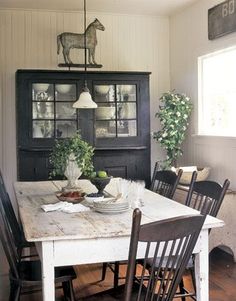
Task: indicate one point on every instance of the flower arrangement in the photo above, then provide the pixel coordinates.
(76, 146)
(174, 113)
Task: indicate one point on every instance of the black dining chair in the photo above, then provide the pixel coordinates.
(172, 239)
(200, 192)
(204, 196)
(164, 182)
(17, 232)
(25, 275)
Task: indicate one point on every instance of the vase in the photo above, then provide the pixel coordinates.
(72, 173)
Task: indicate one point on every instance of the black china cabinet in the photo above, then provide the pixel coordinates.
(119, 129)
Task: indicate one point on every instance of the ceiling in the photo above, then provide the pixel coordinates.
(137, 7)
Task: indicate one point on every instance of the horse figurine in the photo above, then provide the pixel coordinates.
(70, 40)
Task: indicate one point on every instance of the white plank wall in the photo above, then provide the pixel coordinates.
(188, 39)
(28, 40)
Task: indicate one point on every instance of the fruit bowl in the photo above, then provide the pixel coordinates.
(71, 196)
(100, 183)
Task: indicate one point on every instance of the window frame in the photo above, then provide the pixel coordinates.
(201, 112)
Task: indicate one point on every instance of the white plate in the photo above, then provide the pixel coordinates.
(101, 210)
(90, 200)
(112, 206)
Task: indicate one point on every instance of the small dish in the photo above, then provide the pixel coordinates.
(40, 87)
(102, 89)
(63, 88)
(92, 199)
(72, 196)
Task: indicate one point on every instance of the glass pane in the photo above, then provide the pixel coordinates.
(65, 92)
(65, 128)
(43, 110)
(43, 129)
(42, 91)
(105, 129)
(122, 128)
(126, 93)
(126, 110)
(132, 126)
(105, 112)
(65, 111)
(104, 93)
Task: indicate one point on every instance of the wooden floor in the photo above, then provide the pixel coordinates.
(222, 280)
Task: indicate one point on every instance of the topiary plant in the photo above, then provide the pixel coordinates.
(174, 113)
(63, 148)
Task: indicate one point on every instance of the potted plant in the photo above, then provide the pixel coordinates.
(72, 157)
(174, 112)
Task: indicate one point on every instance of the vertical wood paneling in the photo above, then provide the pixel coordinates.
(188, 41)
(2, 83)
(28, 40)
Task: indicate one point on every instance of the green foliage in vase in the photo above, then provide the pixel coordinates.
(174, 112)
(63, 148)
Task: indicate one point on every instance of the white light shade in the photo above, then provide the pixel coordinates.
(85, 101)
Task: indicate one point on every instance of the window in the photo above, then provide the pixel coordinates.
(217, 93)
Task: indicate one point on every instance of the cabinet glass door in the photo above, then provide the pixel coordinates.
(116, 115)
(52, 113)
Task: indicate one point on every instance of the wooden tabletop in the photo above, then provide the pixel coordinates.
(41, 226)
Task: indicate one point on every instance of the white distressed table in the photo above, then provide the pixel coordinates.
(81, 238)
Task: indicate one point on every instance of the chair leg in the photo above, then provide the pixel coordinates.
(68, 291)
(72, 294)
(193, 279)
(181, 289)
(116, 274)
(104, 270)
(14, 292)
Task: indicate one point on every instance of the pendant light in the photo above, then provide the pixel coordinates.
(85, 99)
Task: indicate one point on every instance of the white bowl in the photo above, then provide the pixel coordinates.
(90, 200)
(126, 89)
(63, 89)
(102, 89)
(40, 87)
(105, 112)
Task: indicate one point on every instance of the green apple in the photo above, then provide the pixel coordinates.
(102, 174)
(93, 174)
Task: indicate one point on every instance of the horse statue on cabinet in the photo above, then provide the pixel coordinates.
(70, 40)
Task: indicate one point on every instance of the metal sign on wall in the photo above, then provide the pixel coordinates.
(222, 19)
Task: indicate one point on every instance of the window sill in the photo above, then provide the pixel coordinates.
(219, 141)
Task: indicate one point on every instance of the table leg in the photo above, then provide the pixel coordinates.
(48, 273)
(202, 268)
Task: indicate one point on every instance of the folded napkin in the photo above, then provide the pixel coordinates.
(65, 207)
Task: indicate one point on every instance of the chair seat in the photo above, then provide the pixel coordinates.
(31, 271)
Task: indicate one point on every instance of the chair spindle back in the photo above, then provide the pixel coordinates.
(165, 182)
(171, 242)
(201, 191)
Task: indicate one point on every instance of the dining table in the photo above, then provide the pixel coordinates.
(86, 237)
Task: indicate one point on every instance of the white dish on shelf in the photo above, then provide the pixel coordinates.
(126, 89)
(105, 112)
(63, 88)
(40, 87)
(102, 89)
